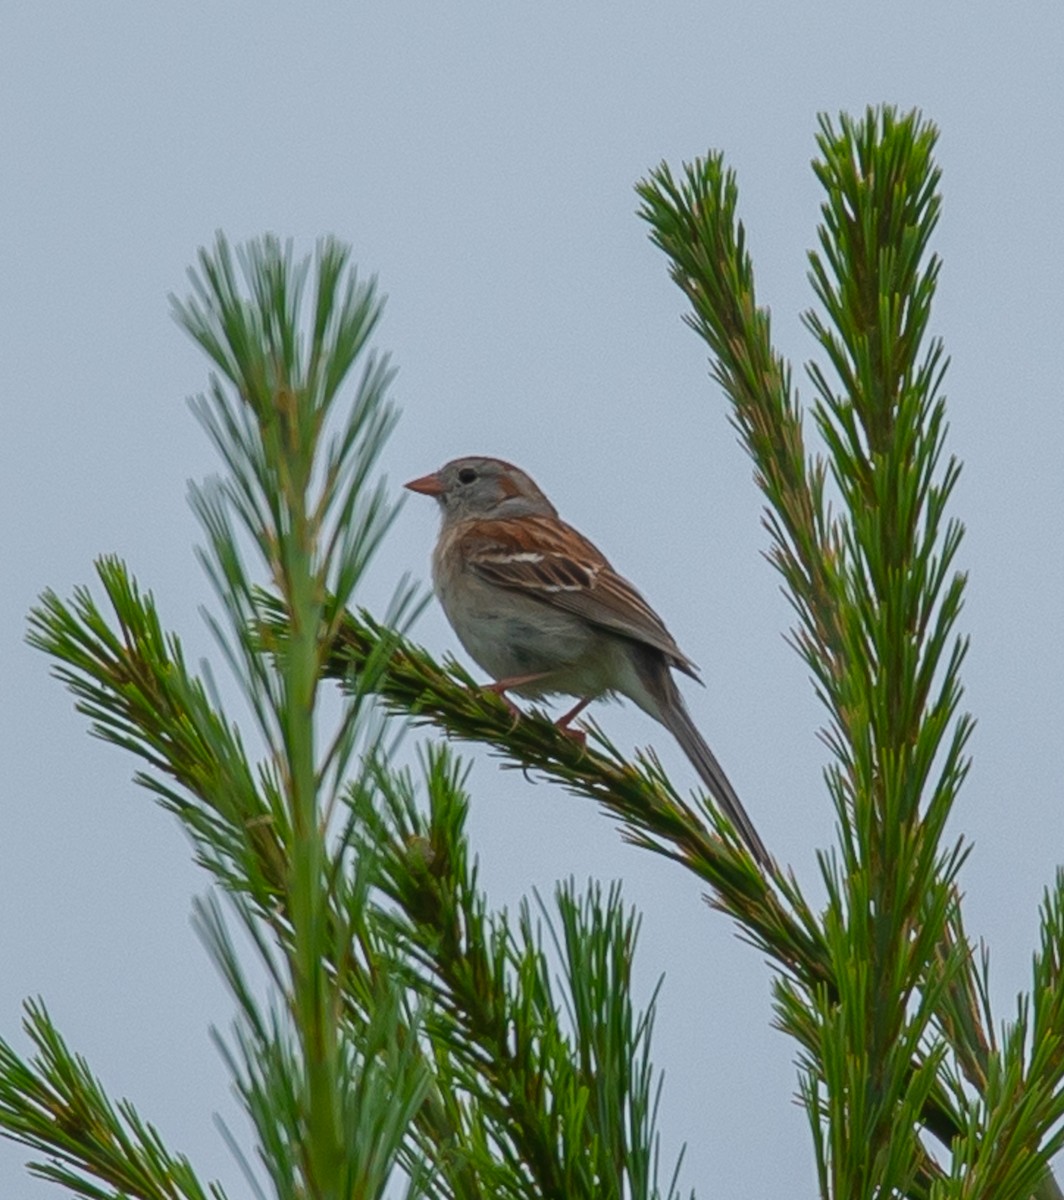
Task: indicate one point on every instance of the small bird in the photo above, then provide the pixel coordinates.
(539, 608)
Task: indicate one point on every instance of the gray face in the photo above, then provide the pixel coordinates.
(475, 487)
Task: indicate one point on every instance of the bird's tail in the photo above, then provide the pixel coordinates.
(677, 720)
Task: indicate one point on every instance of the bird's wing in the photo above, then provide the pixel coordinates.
(546, 558)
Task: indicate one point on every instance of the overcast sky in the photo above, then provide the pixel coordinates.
(480, 159)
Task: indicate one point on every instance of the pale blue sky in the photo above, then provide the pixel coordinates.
(480, 159)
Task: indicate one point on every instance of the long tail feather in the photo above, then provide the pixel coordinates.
(675, 717)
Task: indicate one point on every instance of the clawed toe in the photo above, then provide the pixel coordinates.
(577, 735)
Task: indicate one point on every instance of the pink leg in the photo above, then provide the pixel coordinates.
(501, 686)
(562, 723)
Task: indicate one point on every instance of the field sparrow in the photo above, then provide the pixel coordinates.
(539, 608)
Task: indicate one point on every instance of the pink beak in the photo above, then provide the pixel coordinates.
(427, 485)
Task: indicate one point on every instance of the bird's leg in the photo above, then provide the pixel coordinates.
(562, 723)
(501, 686)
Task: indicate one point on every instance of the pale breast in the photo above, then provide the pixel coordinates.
(510, 635)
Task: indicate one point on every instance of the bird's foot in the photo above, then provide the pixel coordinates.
(564, 722)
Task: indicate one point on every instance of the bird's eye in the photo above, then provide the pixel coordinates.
(466, 475)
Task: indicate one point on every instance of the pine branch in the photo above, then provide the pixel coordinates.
(332, 1100)
(876, 599)
(329, 1122)
(133, 683)
(56, 1106)
(694, 221)
(130, 679)
(568, 1114)
(1018, 1124)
